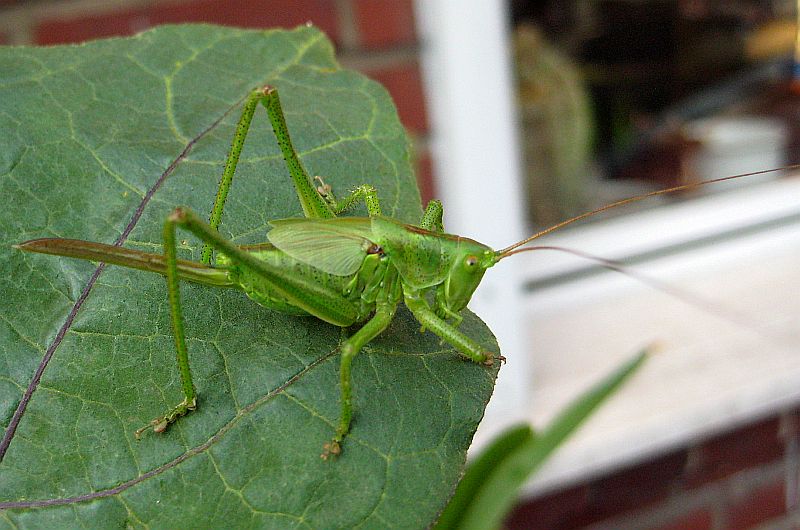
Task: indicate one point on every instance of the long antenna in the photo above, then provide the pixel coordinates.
(507, 251)
(720, 311)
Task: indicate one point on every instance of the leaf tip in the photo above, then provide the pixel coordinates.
(653, 348)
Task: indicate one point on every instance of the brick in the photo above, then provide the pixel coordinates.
(790, 424)
(747, 447)
(382, 24)
(698, 520)
(425, 177)
(3, 38)
(618, 494)
(404, 83)
(634, 488)
(550, 512)
(758, 507)
(242, 13)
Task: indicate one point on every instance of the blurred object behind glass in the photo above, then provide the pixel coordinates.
(680, 90)
(556, 123)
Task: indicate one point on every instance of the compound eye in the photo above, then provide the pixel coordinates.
(471, 261)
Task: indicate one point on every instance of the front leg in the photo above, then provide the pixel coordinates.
(429, 320)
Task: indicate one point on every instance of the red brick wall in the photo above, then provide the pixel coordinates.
(733, 481)
(375, 36)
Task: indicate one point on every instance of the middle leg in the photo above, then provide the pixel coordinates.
(383, 316)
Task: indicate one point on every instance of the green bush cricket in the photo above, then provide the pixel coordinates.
(343, 270)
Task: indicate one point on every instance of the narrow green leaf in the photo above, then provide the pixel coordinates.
(494, 479)
(100, 142)
(475, 475)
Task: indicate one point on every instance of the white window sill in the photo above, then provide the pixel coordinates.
(710, 373)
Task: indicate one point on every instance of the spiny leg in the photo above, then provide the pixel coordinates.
(189, 221)
(385, 309)
(189, 402)
(432, 218)
(230, 167)
(366, 193)
(370, 330)
(313, 204)
(429, 320)
(311, 201)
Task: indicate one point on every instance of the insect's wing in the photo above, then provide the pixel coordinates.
(336, 246)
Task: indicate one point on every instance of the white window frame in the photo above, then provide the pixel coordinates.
(476, 157)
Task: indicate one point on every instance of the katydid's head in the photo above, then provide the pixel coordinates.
(467, 266)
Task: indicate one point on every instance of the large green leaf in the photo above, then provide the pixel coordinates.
(97, 134)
